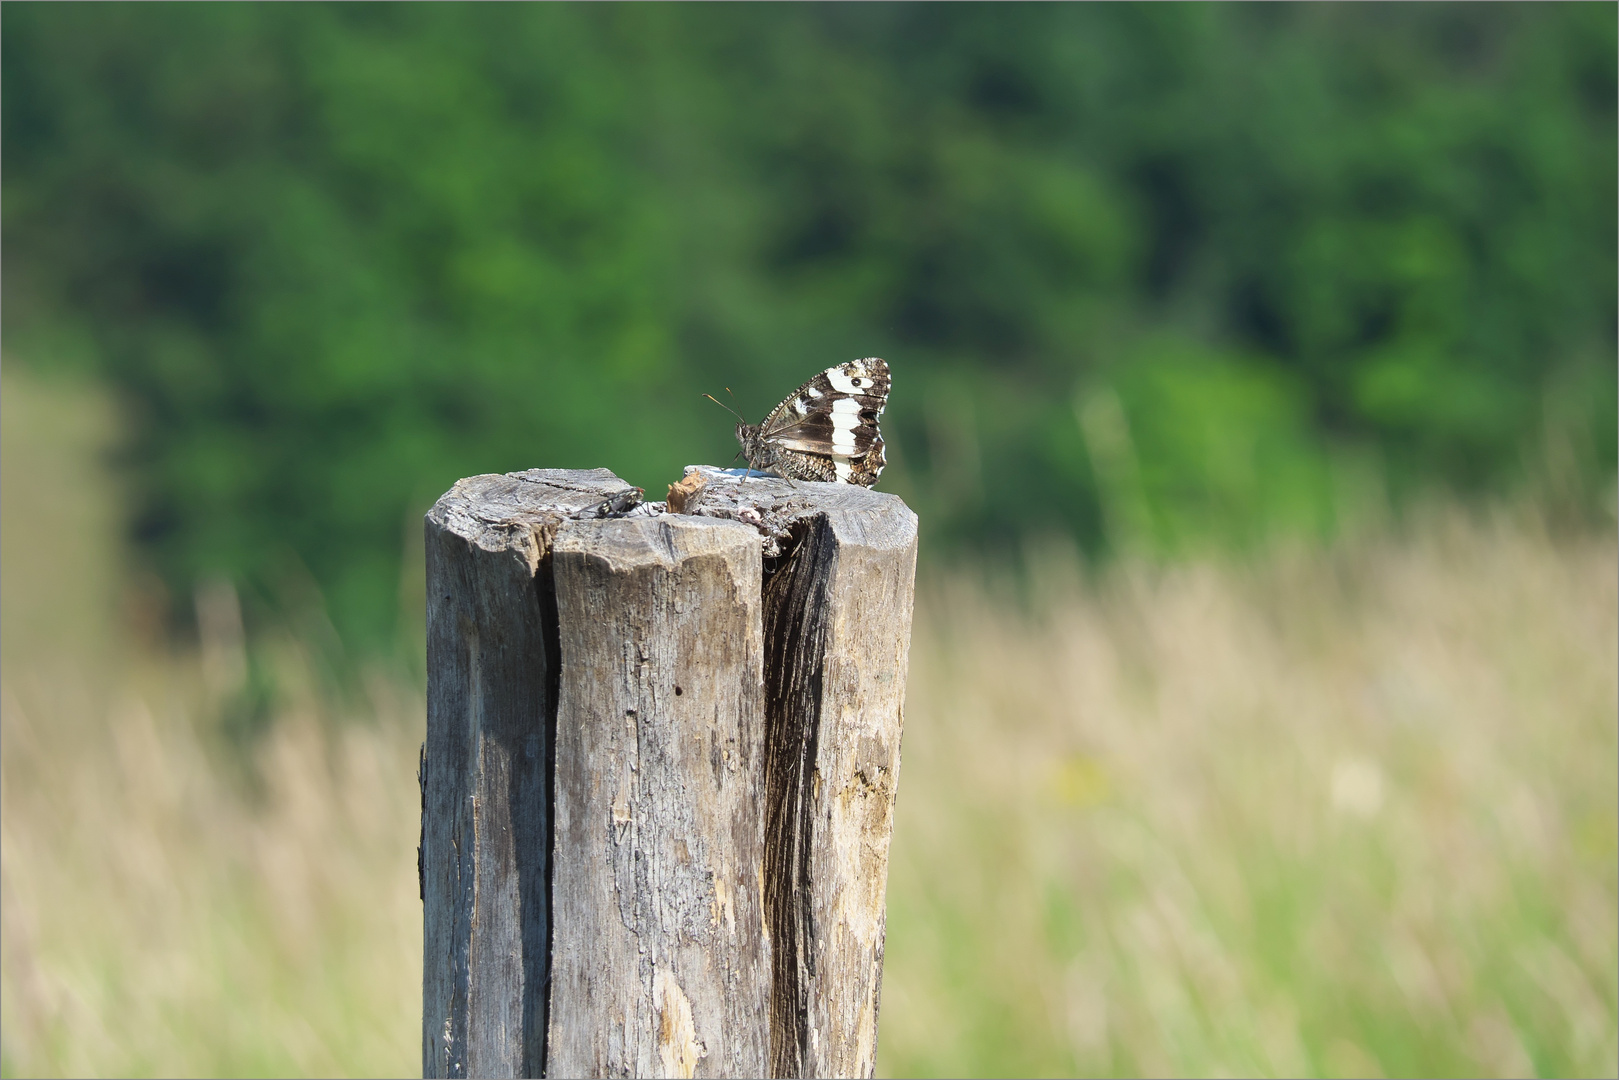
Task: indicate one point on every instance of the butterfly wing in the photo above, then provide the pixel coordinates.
(828, 428)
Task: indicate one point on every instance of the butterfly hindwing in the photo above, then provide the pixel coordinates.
(828, 428)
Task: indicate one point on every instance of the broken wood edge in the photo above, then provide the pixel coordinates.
(811, 525)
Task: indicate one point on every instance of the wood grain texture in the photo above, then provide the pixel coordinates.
(486, 766)
(841, 569)
(659, 778)
(660, 965)
(837, 638)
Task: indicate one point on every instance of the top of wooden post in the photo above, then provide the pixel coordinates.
(494, 510)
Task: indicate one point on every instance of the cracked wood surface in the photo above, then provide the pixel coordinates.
(705, 710)
(837, 638)
(659, 968)
(486, 766)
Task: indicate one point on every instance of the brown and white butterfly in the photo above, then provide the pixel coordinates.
(826, 429)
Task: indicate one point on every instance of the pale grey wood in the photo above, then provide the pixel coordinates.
(837, 638)
(708, 707)
(868, 598)
(486, 766)
(660, 963)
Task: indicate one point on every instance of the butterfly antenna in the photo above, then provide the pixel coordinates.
(724, 406)
(734, 413)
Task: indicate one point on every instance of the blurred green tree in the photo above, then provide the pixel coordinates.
(1157, 275)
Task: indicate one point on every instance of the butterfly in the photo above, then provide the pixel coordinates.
(826, 429)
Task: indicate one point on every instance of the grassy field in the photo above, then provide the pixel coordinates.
(1341, 813)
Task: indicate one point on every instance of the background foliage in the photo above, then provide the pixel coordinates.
(1158, 276)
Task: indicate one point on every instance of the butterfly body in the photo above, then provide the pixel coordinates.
(826, 429)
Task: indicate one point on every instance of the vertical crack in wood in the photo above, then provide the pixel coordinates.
(511, 989)
(538, 926)
(795, 609)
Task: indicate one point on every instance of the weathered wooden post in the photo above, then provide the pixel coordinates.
(659, 777)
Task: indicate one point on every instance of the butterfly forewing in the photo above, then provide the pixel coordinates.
(828, 428)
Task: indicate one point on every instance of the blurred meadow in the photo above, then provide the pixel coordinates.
(1254, 384)
(1340, 812)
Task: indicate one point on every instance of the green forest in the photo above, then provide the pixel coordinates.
(1162, 278)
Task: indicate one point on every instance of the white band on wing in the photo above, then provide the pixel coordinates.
(845, 418)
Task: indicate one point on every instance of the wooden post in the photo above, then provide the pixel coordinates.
(659, 776)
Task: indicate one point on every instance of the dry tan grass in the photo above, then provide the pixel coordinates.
(158, 922)
(1347, 813)
(159, 914)
(1336, 813)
